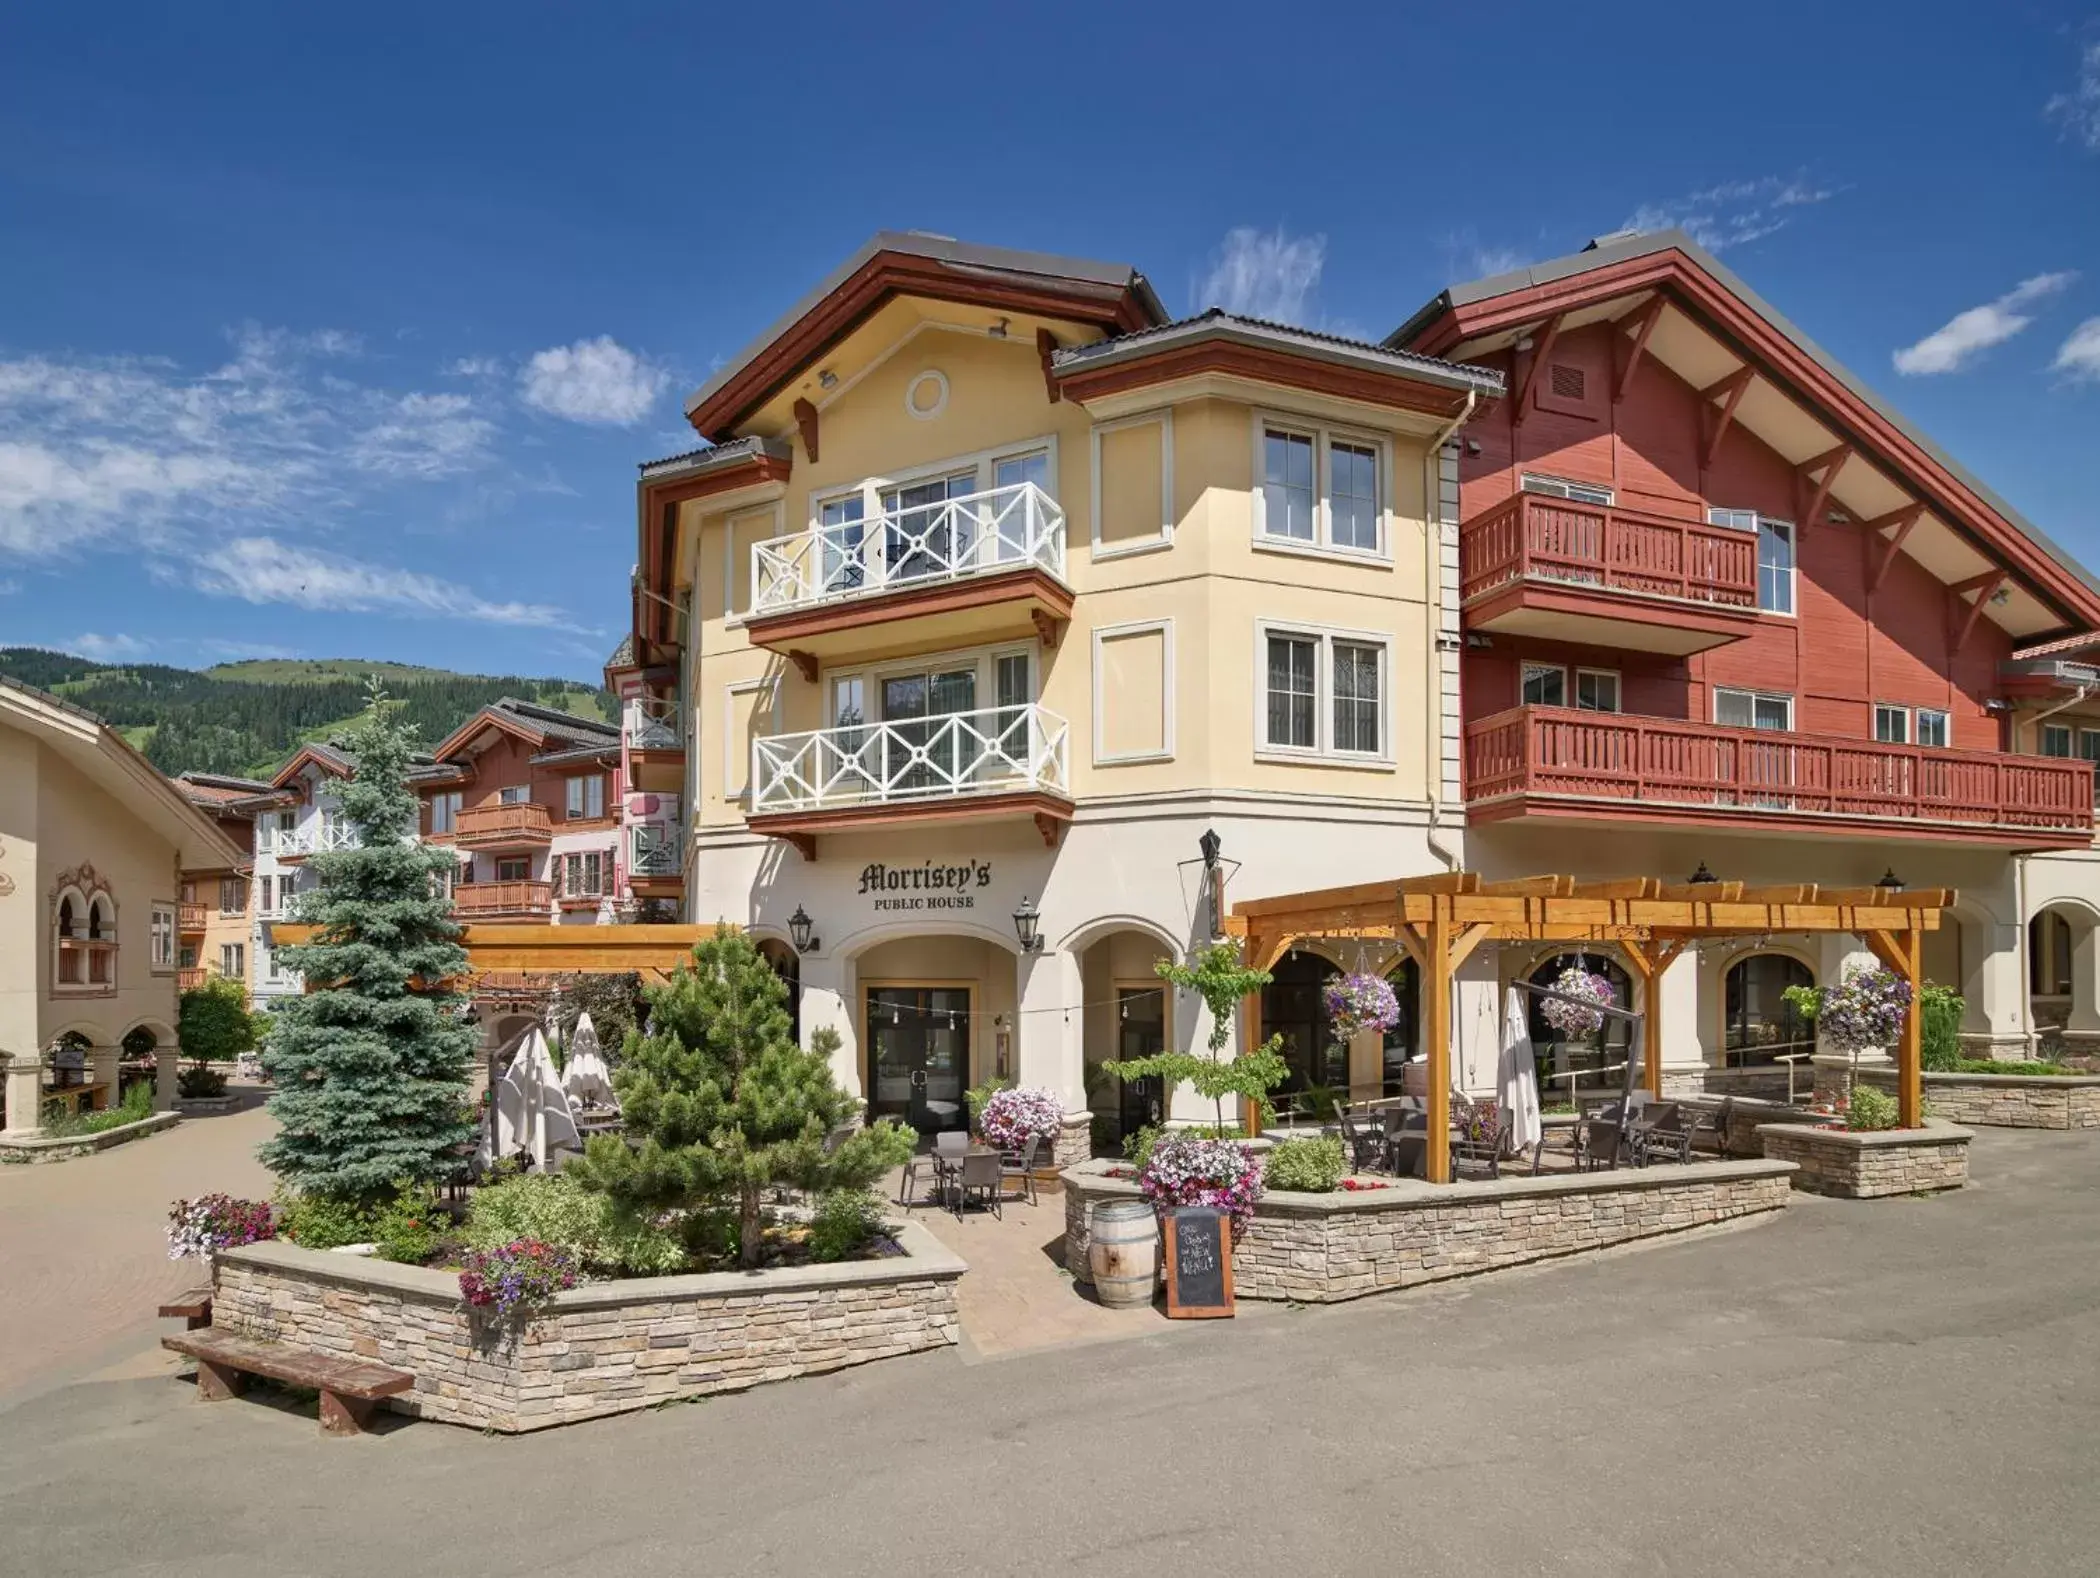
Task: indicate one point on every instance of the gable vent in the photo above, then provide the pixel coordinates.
(1567, 383)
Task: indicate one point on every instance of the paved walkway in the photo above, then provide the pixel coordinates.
(83, 1259)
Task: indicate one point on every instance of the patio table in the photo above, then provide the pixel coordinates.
(948, 1169)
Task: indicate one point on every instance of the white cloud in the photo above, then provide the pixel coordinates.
(1264, 274)
(2078, 111)
(1967, 335)
(2079, 356)
(475, 367)
(1732, 213)
(264, 570)
(598, 381)
(107, 649)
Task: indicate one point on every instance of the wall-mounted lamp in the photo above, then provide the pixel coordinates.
(827, 379)
(1702, 876)
(1028, 925)
(998, 330)
(1890, 881)
(800, 930)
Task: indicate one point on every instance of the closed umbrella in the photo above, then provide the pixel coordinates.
(584, 1074)
(1519, 1081)
(532, 1110)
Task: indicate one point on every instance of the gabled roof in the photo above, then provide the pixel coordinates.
(1726, 308)
(544, 728)
(326, 757)
(716, 457)
(1113, 296)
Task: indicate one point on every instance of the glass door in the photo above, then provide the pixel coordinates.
(918, 1042)
(1013, 541)
(926, 535)
(839, 545)
(1141, 1031)
(915, 704)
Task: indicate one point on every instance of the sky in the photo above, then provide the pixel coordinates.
(339, 332)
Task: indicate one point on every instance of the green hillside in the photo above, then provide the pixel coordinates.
(246, 718)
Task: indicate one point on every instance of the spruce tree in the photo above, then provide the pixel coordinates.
(726, 1104)
(371, 1062)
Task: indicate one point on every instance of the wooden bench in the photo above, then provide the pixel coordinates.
(349, 1388)
(193, 1308)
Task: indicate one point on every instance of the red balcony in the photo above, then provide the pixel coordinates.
(189, 917)
(1561, 571)
(502, 901)
(1599, 766)
(519, 825)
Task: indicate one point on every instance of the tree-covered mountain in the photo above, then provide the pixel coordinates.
(246, 718)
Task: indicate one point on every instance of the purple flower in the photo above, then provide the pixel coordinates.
(1864, 1010)
(1360, 1002)
(1219, 1173)
(199, 1229)
(1571, 1019)
(516, 1278)
(1012, 1118)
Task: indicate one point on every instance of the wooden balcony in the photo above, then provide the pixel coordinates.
(502, 901)
(1611, 767)
(1556, 570)
(522, 826)
(189, 980)
(190, 918)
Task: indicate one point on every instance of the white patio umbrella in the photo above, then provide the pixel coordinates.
(1519, 1076)
(584, 1074)
(532, 1110)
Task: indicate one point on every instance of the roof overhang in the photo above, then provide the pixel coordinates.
(307, 756)
(725, 474)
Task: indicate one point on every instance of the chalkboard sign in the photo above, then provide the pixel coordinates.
(1199, 1263)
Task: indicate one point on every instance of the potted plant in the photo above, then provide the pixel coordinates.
(1011, 1118)
(1222, 1174)
(1575, 1019)
(1862, 1013)
(199, 1229)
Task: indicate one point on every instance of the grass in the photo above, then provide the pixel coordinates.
(294, 671)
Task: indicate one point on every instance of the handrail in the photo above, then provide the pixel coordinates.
(652, 725)
(971, 534)
(992, 750)
(502, 817)
(502, 897)
(1536, 537)
(656, 849)
(320, 839)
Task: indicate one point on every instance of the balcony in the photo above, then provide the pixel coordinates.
(522, 825)
(189, 980)
(317, 838)
(492, 902)
(656, 860)
(1609, 767)
(190, 918)
(979, 567)
(655, 735)
(999, 762)
(1556, 570)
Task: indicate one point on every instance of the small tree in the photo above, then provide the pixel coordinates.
(1218, 977)
(371, 1062)
(213, 1024)
(726, 1105)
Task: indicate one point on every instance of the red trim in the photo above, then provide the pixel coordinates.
(1030, 585)
(1396, 389)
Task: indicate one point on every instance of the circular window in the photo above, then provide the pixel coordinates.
(926, 396)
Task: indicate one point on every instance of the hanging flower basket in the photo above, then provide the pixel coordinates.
(1863, 1011)
(1572, 1019)
(1360, 1001)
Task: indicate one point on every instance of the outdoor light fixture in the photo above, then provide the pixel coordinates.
(799, 928)
(1702, 876)
(1028, 926)
(998, 330)
(1891, 881)
(827, 379)
(1210, 844)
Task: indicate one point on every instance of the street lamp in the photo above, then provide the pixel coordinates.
(799, 928)
(1028, 926)
(1702, 876)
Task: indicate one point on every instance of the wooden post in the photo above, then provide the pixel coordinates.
(1910, 1058)
(1436, 1020)
(1250, 1016)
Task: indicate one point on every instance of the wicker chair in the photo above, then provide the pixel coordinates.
(1476, 1135)
(1018, 1168)
(1666, 1137)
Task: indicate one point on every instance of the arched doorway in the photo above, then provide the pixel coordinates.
(140, 1060)
(1586, 1062)
(2063, 998)
(1292, 1007)
(1759, 1025)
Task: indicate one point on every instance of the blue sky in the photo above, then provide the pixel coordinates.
(340, 332)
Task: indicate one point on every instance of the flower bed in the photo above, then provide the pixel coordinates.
(63, 1147)
(2008, 1101)
(598, 1349)
(1856, 1164)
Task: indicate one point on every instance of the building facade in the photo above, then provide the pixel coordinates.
(217, 917)
(305, 820)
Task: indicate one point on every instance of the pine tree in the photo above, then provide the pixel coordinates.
(372, 1061)
(726, 1104)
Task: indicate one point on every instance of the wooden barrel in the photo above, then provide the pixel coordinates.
(1123, 1253)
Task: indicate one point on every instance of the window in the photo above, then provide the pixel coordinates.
(880, 532)
(1761, 1026)
(444, 812)
(1734, 520)
(583, 875)
(267, 908)
(1749, 709)
(513, 794)
(233, 960)
(1318, 489)
(233, 896)
(2089, 745)
(1935, 728)
(160, 947)
(1891, 724)
(2050, 945)
(1775, 555)
(2056, 740)
(1562, 488)
(446, 879)
(586, 797)
(1545, 685)
(1324, 693)
(514, 869)
(1596, 690)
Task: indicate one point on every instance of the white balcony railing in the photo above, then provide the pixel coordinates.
(997, 750)
(656, 849)
(973, 534)
(651, 725)
(317, 838)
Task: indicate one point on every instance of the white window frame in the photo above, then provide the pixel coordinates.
(2041, 741)
(1755, 697)
(575, 790)
(1527, 668)
(236, 955)
(1618, 691)
(986, 659)
(2080, 746)
(1753, 522)
(982, 461)
(1889, 709)
(1595, 494)
(514, 794)
(160, 937)
(1946, 721)
(1164, 420)
(736, 774)
(1102, 756)
(1322, 751)
(1323, 435)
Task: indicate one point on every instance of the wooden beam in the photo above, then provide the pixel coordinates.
(1628, 357)
(806, 421)
(1532, 887)
(1439, 882)
(1542, 348)
(1045, 349)
(1700, 892)
(1903, 952)
(1830, 463)
(1781, 893)
(1436, 1022)
(1618, 888)
(1729, 391)
(1985, 587)
(1900, 522)
(1048, 627)
(807, 664)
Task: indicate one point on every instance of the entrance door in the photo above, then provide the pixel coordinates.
(918, 1042)
(1141, 1031)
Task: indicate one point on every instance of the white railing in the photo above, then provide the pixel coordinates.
(995, 750)
(974, 534)
(318, 839)
(652, 725)
(656, 849)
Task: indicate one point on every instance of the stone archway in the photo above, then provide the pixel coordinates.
(2063, 977)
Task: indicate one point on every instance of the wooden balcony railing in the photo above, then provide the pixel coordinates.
(190, 917)
(497, 826)
(189, 980)
(1614, 759)
(1535, 537)
(481, 900)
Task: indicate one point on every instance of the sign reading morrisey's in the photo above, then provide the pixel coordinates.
(926, 886)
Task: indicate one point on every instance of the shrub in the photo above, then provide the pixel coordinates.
(846, 1222)
(596, 1229)
(516, 1279)
(1870, 1109)
(136, 1107)
(198, 1229)
(1137, 1148)
(1986, 1065)
(199, 1081)
(1307, 1166)
(977, 1095)
(408, 1228)
(1939, 1028)
(325, 1221)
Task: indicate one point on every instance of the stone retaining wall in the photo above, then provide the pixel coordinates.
(1872, 1164)
(59, 1148)
(606, 1348)
(1325, 1248)
(2008, 1101)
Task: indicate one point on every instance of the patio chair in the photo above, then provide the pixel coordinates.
(1019, 1166)
(1665, 1137)
(1407, 1146)
(1365, 1142)
(1476, 1135)
(926, 1167)
(978, 1177)
(1599, 1140)
(1713, 1122)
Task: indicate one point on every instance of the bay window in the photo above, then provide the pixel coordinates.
(1323, 693)
(1318, 488)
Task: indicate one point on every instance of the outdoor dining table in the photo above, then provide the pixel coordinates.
(947, 1170)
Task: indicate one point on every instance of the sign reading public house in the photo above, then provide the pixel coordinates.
(1199, 1263)
(926, 886)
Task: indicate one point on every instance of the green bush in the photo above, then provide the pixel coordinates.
(1985, 1065)
(136, 1107)
(1870, 1109)
(598, 1231)
(846, 1222)
(977, 1095)
(1939, 1028)
(1308, 1166)
(1137, 1148)
(324, 1221)
(409, 1227)
(199, 1081)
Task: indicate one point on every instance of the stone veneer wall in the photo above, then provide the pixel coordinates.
(1871, 1164)
(1325, 1248)
(602, 1349)
(50, 1148)
(2008, 1101)
(1075, 1141)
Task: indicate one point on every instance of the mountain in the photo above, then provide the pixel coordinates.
(246, 718)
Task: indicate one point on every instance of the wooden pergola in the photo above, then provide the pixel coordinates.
(651, 952)
(1439, 920)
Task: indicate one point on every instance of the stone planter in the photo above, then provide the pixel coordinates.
(1325, 1248)
(55, 1148)
(605, 1348)
(1871, 1164)
(195, 1105)
(2007, 1101)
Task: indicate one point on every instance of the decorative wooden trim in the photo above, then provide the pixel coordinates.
(806, 424)
(1520, 402)
(1829, 463)
(1028, 584)
(1985, 586)
(1395, 389)
(1904, 521)
(806, 664)
(1045, 350)
(1627, 358)
(805, 844)
(1729, 391)
(1051, 828)
(1048, 627)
